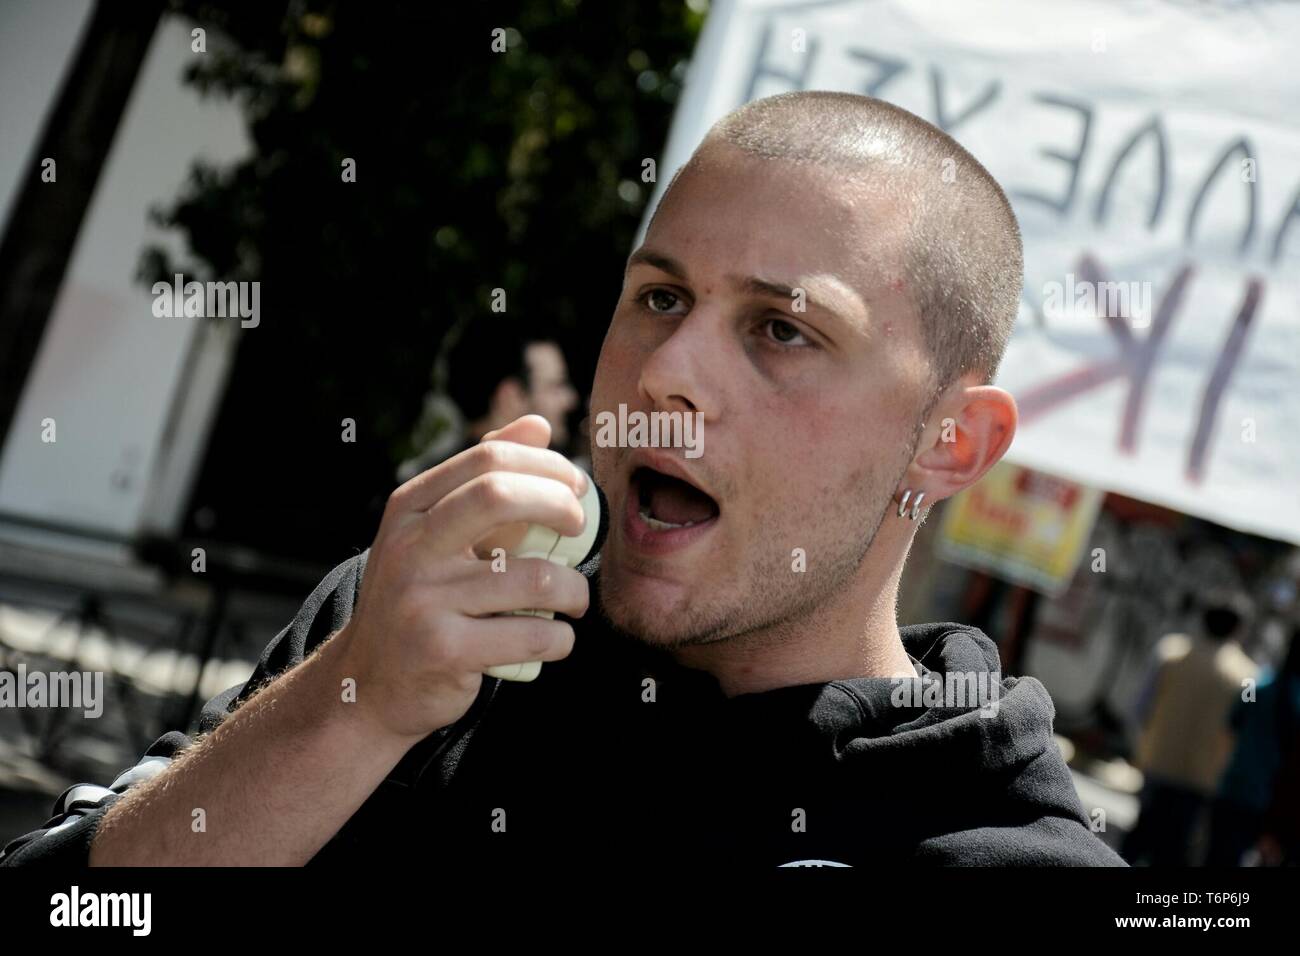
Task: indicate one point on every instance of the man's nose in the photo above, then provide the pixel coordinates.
(676, 375)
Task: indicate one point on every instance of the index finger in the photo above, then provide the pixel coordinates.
(429, 487)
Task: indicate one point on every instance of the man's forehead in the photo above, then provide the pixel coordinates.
(781, 222)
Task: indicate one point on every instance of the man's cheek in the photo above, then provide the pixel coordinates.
(616, 379)
(604, 466)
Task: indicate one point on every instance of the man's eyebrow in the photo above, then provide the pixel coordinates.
(756, 286)
(658, 260)
(834, 306)
(750, 284)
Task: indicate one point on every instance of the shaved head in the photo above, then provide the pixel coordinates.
(827, 287)
(961, 249)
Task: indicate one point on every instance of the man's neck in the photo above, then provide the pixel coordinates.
(854, 635)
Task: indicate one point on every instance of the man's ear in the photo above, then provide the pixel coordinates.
(969, 430)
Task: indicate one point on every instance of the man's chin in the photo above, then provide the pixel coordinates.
(652, 610)
(639, 609)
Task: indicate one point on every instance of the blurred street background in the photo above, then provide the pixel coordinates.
(173, 486)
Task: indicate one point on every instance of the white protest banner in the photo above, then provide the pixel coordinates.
(1152, 153)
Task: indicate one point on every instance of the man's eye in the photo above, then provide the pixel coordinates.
(659, 300)
(785, 333)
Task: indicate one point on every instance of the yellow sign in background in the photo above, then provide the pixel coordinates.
(1022, 525)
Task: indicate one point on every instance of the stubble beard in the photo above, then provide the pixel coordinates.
(766, 601)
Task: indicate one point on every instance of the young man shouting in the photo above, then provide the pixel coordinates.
(827, 286)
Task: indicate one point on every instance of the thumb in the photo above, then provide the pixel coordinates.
(526, 430)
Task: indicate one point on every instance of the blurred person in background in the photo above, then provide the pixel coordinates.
(1185, 740)
(1259, 792)
(494, 375)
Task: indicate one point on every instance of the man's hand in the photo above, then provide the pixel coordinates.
(423, 630)
(420, 636)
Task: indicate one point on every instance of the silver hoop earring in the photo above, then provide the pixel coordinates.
(902, 505)
(916, 505)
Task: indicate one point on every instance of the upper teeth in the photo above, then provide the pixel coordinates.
(660, 525)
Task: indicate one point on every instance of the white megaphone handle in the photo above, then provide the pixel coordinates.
(543, 542)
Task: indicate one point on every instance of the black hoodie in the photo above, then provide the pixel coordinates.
(618, 755)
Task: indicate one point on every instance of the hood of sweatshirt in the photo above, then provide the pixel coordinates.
(958, 766)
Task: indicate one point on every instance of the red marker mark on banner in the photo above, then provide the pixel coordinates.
(1136, 361)
(1220, 377)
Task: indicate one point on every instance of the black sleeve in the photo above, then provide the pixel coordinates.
(64, 840)
(326, 610)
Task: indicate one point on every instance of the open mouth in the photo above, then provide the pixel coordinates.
(667, 503)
